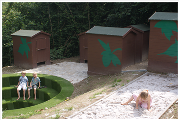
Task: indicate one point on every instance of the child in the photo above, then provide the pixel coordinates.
(23, 81)
(144, 100)
(33, 84)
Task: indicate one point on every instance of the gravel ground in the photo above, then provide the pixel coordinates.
(71, 71)
(162, 88)
(78, 72)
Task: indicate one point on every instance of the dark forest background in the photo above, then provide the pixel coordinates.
(65, 20)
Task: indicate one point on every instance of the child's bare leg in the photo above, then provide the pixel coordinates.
(24, 94)
(126, 103)
(18, 94)
(28, 94)
(35, 93)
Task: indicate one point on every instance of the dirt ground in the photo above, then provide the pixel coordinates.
(89, 91)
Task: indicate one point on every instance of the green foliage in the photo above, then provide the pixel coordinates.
(119, 80)
(116, 82)
(122, 84)
(64, 21)
(94, 95)
(57, 116)
(23, 117)
(69, 108)
(57, 53)
(129, 13)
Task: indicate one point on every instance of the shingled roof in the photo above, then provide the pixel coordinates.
(28, 33)
(164, 16)
(114, 31)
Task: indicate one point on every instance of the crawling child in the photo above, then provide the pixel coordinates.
(144, 100)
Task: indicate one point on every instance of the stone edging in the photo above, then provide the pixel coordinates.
(160, 114)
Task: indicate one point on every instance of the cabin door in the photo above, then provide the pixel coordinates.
(41, 45)
(85, 42)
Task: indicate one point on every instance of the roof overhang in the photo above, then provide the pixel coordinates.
(29, 33)
(135, 28)
(131, 30)
(171, 16)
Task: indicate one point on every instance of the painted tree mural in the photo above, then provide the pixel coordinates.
(172, 50)
(24, 47)
(167, 27)
(108, 56)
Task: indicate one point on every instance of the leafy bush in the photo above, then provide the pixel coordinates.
(119, 80)
(57, 53)
(115, 83)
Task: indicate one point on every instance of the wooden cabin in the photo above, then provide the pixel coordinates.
(83, 47)
(110, 49)
(163, 42)
(142, 41)
(31, 47)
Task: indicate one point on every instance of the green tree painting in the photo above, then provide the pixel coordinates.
(24, 47)
(108, 56)
(167, 27)
(172, 50)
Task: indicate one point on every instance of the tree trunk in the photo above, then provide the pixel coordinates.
(88, 15)
(50, 24)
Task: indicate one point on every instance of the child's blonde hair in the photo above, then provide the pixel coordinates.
(144, 94)
(23, 72)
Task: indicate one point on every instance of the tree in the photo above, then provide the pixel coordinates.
(125, 14)
(11, 22)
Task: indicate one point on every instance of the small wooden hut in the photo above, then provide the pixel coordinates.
(31, 47)
(163, 42)
(83, 47)
(110, 49)
(142, 41)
